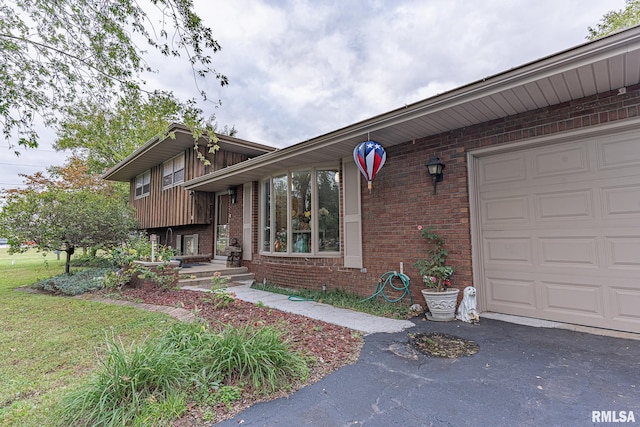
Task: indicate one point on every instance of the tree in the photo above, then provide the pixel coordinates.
(72, 209)
(103, 136)
(614, 21)
(57, 54)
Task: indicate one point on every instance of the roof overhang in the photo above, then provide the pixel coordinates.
(600, 66)
(179, 138)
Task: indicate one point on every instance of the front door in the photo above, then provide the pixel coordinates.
(221, 227)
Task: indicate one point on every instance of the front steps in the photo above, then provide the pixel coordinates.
(199, 275)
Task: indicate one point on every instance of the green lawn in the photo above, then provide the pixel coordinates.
(49, 344)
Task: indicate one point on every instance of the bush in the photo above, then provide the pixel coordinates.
(138, 248)
(148, 384)
(74, 284)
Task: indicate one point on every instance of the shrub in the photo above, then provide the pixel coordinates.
(138, 248)
(128, 384)
(74, 284)
(147, 384)
(259, 356)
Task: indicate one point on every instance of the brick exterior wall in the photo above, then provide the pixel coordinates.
(402, 198)
(204, 232)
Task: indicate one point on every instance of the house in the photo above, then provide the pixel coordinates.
(180, 218)
(539, 203)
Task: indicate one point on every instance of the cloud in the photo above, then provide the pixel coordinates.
(299, 69)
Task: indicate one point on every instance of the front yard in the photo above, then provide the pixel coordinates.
(51, 345)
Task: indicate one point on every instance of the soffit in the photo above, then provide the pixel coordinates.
(157, 151)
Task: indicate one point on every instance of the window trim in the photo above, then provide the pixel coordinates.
(314, 218)
(173, 171)
(135, 185)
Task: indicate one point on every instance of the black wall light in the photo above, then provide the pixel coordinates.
(435, 168)
(231, 191)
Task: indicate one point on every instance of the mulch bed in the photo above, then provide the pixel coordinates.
(331, 346)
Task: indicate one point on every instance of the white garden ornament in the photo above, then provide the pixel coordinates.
(468, 309)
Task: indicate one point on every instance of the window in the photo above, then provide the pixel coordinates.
(302, 208)
(143, 184)
(173, 171)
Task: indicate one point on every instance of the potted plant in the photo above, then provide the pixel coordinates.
(440, 297)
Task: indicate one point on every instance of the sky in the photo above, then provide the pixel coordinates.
(300, 69)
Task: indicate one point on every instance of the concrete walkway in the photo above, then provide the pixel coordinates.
(365, 323)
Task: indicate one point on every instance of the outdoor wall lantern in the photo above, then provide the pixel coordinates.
(435, 167)
(231, 191)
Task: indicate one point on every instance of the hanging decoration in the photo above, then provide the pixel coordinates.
(369, 157)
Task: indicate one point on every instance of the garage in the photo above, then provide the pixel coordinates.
(557, 229)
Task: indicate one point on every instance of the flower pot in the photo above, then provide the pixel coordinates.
(441, 305)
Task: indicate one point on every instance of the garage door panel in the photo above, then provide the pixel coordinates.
(621, 202)
(573, 298)
(554, 161)
(509, 251)
(565, 205)
(626, 304)
(622, 152)
(573, 252)
(511, 209)
(507, 293)
(503, 168)
(623, 253)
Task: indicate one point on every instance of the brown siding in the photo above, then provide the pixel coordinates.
(175, 206)
(402, 198)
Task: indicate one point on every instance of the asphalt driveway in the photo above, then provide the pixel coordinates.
(522, 376)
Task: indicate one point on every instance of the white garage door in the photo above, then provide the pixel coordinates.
(559, 227)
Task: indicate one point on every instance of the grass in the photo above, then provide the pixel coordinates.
(342, 299)
(49, 344)
(190, 361)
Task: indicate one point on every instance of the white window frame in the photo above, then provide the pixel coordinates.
(172, 164)
(141, 178)
(314, 253)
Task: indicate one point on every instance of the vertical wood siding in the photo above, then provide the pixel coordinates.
(174, 206)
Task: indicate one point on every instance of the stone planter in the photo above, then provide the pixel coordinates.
(441, 305)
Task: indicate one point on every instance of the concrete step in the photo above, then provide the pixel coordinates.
(208, 271)
(206, 283)
(200, 275)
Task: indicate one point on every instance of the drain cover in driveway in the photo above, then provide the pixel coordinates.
(443, 345)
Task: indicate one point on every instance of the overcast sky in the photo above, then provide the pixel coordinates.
(299, 69)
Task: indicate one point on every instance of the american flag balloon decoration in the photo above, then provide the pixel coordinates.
(370, 157)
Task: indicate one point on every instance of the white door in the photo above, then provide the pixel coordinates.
(559, 231)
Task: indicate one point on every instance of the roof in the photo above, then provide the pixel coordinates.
(156, 151)
(609, 63)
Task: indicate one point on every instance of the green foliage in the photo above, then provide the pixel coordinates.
(91, 261)
(137, 247)
(58, 218)
(55, 54)
(190, 359)
(104, 135)
(342, 299)
(219, 281)
(49, 344)
(433, 270)
(259, 356)
(74, 284)
(221, 298)
(129, 380)
(614, 21)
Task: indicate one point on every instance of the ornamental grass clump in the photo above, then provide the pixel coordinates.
(151, 383)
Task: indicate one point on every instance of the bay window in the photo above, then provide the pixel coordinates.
(300, 212)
